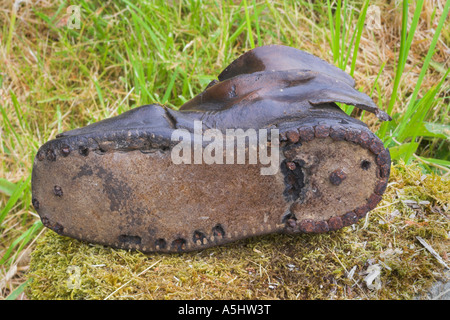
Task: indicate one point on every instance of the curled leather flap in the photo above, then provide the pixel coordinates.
(278, 58)
(301, 89)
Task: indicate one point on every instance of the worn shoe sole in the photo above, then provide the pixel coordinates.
(331, 174)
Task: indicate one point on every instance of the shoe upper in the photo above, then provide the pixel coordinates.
(265, 87)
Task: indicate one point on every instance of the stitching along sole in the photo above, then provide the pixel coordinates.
(330, 176)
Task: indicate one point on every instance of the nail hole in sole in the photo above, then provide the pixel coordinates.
(365, 164)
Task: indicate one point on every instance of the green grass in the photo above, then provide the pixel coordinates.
(406, 127)
(401, 134)
(131, 53)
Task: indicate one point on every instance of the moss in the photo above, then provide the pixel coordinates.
(270, 267)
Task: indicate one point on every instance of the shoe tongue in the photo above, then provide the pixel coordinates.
(278, 58)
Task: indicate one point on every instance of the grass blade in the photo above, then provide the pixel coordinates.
(170, 86)
(256, 19)
(399, 152)
(13, 295)
(440, 162)
(7, 187)
(23, 239)
(11, 27)
(249, 25)
(13, 199)
(359, 29)
(332, 30)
